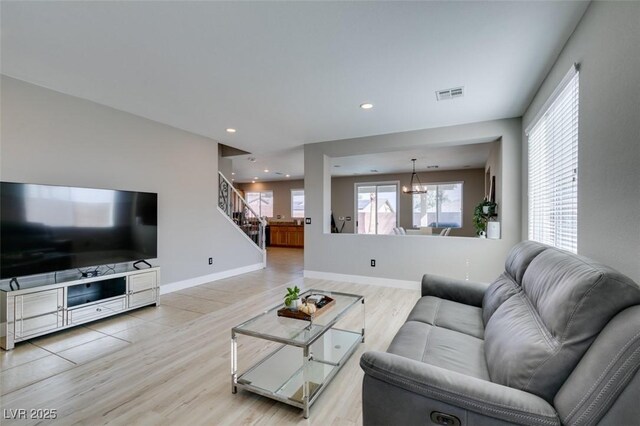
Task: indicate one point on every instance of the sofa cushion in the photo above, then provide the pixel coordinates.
(442, 348)
(520, 256)
(450, 315)
(508, 284)
(535, 338)
(496, 294)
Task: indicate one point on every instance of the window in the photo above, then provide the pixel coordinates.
(376, 208)
(297, 203)
(440, 207)
(553, 168)
(261, 202)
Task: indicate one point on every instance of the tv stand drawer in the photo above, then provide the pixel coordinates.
(98, 310)
(142, 281)
(142, 298)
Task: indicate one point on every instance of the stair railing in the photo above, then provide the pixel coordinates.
(240, 212)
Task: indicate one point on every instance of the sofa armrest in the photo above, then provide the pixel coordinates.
(455, 389)
(467, 292)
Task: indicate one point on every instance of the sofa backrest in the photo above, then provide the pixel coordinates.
(536, 337)
(509, 283)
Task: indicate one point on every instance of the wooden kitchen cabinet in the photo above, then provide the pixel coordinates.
(287, 235)
(296, 237)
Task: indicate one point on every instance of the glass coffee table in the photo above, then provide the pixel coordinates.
(309, 354)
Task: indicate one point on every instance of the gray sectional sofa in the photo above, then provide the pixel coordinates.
(555, 340)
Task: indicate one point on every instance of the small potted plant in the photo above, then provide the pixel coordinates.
(292, 298)
(481, 215)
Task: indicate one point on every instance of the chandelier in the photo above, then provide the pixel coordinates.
(416, 186)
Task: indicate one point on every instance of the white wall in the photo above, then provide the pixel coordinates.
(606, 44)
(51, 138)
(492, 167)
(409, 257)
(224, 164)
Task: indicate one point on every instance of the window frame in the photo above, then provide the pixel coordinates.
(376, 184)
(437, 184)
(259, 212)
(551, 221)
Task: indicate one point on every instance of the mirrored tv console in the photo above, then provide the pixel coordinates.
(33, 310)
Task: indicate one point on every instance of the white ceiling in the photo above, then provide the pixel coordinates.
(279, 164)
(289, 73)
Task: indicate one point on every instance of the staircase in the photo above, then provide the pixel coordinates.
(236, 208)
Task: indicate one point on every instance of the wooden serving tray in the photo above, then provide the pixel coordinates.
(286, 312)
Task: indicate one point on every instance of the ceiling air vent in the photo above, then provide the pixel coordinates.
(456, 92)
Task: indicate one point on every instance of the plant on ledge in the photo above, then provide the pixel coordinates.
(482, 213)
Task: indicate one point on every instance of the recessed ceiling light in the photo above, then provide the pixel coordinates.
(233, 173)
(366, 106)
(253, 181)
(266, 170)
(287, 175)
(232, 179)
(255, 177)
(231, 130)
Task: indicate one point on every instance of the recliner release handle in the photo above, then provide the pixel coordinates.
(444, 419)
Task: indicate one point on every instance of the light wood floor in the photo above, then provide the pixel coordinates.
(170, 364)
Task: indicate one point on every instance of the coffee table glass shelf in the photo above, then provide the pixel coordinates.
(310, 353)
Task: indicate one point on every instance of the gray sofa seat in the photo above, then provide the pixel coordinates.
(441, 347)
(555, 339)
(450, 315)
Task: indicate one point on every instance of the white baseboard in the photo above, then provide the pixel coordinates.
(192, 282)
(363, 279)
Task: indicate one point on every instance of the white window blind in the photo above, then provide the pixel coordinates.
(261, 202)
(553, 168)
(297, 203)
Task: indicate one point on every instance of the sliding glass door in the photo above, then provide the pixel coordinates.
(376, 208)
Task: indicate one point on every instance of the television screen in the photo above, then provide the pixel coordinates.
(45, 228)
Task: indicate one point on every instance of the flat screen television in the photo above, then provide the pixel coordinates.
(46, 228)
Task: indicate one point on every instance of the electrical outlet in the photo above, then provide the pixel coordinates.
(211, 261)
(373, 263)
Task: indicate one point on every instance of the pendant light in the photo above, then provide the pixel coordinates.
(416, 186)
